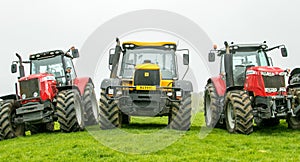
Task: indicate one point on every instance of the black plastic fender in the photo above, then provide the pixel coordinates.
(185, 85)
(9, 97)
(110, 82)
(294, 76)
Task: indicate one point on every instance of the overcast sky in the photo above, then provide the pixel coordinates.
(29, 26)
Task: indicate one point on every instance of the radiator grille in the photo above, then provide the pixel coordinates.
(276, 81)
(147, 77)
(28, 87)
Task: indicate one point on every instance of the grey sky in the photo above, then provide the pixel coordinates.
(36, 25)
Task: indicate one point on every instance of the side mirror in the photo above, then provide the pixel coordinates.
(14, 68)
(75, 52)
(111, 58)
(284, 52)
(186, 59)
(211, 57)
(111, 55)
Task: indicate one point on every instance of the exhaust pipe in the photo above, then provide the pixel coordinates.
(21, 67)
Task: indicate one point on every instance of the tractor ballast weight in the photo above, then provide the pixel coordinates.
(249, 88)
(52, 92)
(144, 82)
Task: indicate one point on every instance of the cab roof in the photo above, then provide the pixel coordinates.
(159, 45)
(244, 48)
(47, 54)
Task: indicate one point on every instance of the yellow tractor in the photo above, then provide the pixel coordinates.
(144, 82)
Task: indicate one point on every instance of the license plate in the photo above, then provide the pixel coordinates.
(146, 88)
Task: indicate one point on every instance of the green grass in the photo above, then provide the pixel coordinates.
(147, 140)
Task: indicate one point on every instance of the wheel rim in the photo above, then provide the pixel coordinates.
(78, 110)
(94, 106)
(208, 110)
(230, 116)
(295, 120)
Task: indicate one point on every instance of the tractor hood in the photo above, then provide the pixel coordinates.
(43, 76)
(266, 70)
(265, 81)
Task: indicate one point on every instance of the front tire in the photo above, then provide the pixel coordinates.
(90, 105)
(70, 111)
(109, 115)
(9, 129)
(180, 114)
(211, 109)
(294, 121)
(238, 112)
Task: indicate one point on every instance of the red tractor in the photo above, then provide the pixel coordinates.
(52, 92)
(248, 90)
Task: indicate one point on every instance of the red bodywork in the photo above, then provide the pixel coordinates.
(47, 84)
(219, 84)
(81, 83)
(254, 80)
(253, 83)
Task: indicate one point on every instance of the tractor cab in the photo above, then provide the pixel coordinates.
(56, 63)
(144, 81)
(248, 88)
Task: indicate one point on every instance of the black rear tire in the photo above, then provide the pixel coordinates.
(109, 115)
(7, 116)
(212, 111)
(70, 111)
(90, 105)
(180, 114)
(238, 112)
(294, 121)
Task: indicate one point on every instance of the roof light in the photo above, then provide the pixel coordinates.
(263, 46)
(215, 46)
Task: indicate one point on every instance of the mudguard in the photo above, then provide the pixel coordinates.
(9, 97)
(185, 85)
(219, 85)
(294, 77)
(110, 82)
(80, 83)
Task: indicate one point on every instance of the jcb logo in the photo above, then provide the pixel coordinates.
(146, 74)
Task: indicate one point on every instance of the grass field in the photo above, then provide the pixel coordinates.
(146, 140)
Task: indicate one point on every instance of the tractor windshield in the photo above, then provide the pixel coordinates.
(164, 59)
(243, 60)
(49, 65)
(250, 59)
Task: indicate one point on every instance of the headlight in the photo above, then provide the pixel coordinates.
(282, 89)
(23, 96)
(110, 91)
(250, 72)
(267, 73)
(35, 94)
(178, 93)
(282, 73)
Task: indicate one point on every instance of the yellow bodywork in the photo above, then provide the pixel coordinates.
(149, 43)
(147, 66)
